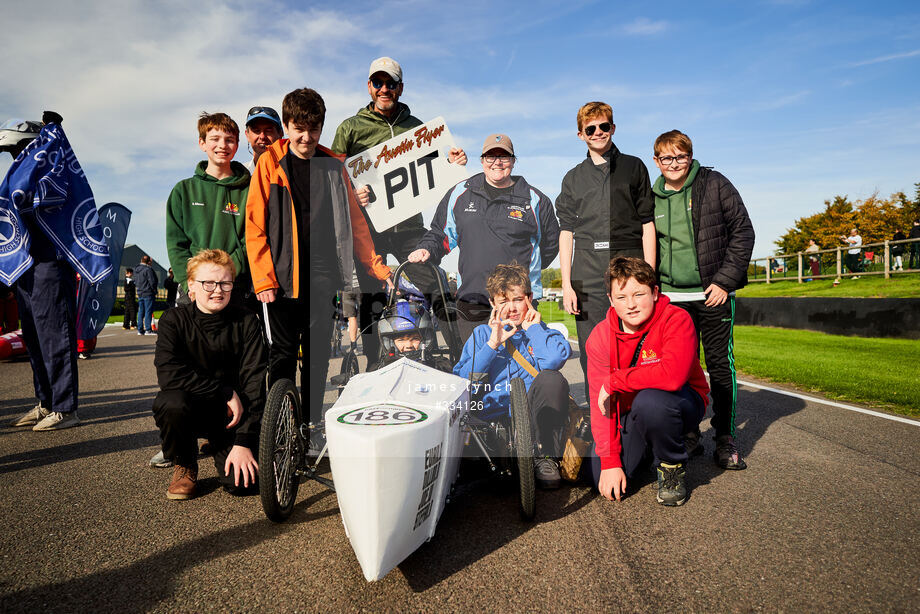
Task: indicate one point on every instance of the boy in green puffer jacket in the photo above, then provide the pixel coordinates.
(208, 210)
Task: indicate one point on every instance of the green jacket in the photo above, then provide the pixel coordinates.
(368, 128)
(205, 213)
(678, 266)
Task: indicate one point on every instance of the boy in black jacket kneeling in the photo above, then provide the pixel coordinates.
(211, 362)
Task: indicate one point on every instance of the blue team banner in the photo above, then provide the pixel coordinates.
(47, 181)
(95, 301)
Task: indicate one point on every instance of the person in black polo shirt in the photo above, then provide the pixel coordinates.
(605, 209)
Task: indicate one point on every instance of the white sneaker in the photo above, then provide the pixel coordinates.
(160, 461)
(56, 421)
(32, 416)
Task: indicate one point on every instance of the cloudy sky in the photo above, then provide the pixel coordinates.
(794, 100)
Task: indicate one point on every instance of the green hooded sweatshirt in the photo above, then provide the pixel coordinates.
(206, 213)
(678, 265)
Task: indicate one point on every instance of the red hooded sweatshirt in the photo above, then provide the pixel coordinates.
(669, 359)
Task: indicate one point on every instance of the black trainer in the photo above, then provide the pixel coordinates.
(672, 484)
(726, 454)
(546, 473)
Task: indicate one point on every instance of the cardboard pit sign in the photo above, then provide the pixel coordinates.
(407, 174)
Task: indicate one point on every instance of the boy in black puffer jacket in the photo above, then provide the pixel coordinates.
(705, 240)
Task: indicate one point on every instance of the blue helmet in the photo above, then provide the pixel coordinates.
(403, 319)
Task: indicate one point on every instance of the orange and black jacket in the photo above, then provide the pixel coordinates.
(271, 232)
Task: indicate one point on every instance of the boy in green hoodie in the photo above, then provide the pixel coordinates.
(208, 210)
(705, 240)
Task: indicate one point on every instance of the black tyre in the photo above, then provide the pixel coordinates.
(280, 451)
(522, 442)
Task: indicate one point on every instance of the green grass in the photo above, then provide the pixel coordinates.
(876, 372)
(900, 285)
(119, 319)
(551, 313)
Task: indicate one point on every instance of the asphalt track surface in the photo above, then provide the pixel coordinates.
(825, 518)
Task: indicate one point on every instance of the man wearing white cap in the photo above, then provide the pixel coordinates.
(382, 119)
(494, 218)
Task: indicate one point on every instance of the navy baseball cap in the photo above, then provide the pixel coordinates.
(265, 113)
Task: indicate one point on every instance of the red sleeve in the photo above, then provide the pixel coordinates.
(606, 430)
(678, 347)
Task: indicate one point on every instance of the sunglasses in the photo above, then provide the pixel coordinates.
(604, 127)
(266, 110)
(378, 84)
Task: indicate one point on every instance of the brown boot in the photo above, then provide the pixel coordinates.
(182, 485)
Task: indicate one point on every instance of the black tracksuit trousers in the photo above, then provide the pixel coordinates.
(714, 327)
(304, 323)
(549, 407)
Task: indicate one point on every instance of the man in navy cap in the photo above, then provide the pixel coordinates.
(263, 127)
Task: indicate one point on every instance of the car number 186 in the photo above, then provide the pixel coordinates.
(382, 415)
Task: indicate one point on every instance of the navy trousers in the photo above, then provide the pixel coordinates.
(47, 297)
(652, 432)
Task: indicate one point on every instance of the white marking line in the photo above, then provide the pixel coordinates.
(860, 410)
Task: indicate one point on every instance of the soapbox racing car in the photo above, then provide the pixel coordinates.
(395, 395)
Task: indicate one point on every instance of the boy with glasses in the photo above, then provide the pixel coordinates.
(605, 209)
(493, 218)
(705, 240)
(210, 362)
(263, 127)
(382, 119)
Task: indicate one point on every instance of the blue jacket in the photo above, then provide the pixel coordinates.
(522, 227)
(541, 346)
(146, 280)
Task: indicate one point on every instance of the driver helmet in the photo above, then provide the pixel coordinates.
(15, 134)
(404, 318)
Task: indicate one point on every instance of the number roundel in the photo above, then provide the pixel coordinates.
(382, 415)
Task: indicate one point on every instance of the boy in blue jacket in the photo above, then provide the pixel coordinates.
(516, 333)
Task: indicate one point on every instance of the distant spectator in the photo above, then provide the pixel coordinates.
(852, 259)
(897, 250)
(171, 286)
(130, 300)
(813, 259)
(146, 280)
(915, 246)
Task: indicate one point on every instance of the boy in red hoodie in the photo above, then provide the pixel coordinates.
(645, 384)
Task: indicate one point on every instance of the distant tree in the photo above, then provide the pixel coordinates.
(876, 218)
(551, 278)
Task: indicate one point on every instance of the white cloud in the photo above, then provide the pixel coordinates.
(643, 26)
(888, 58)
